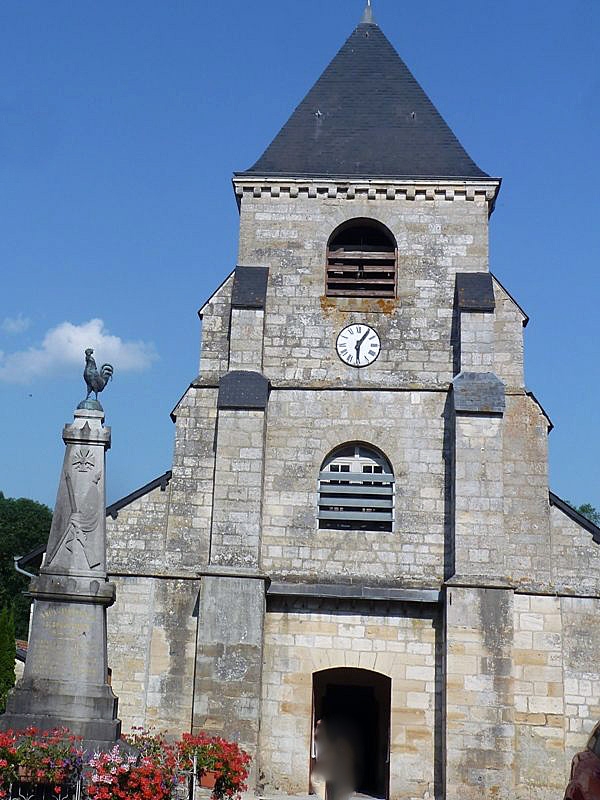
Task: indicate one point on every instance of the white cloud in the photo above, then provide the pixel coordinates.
(62, 350)
(16, 324)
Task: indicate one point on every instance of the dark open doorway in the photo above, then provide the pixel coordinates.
(356, 702)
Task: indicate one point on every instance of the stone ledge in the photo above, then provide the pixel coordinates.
(353, 592)
(484, 191)
(219, 571)
(75, 589)
(518, 586)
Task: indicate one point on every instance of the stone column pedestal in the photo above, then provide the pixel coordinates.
(65, 682)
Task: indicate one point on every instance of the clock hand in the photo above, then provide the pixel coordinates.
(358, 345)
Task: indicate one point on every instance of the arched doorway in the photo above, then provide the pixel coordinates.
(355, 704)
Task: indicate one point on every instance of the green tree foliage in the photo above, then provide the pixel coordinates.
(7, 654)
(24, 524)
(588, 510)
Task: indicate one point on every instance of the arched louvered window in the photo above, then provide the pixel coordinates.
(361, 260)
(356, 490)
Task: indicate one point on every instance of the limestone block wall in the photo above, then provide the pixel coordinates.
(236, 341)
(229, 659)
(539, 697)
(238, 478)
(522, 691)
(508, 356)
(480, 731)
(246, 338)
(400, 644)
(581, 669)
(575, 556)
(188, 524)
(557, 687)
(135, 540)
(151, 651)
(526, 511)
(214, 351)
(436, 238)
(477, 342)
(501, 484)
(302, 428)
(479, 490)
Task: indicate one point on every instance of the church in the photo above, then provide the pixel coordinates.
(357, 524)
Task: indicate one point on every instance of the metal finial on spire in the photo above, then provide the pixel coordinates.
(367, 16)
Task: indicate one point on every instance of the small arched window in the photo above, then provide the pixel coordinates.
(361, 260)
(356, 490)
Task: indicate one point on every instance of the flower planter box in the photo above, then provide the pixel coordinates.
(27, 775)
(208, 779)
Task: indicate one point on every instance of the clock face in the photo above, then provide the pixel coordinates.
(358, 345)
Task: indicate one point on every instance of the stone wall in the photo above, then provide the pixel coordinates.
(479, 491)
(508, 357)
(522, 691)
(136, 537)
(400, 643)
(480, 733)
(491, 703)
(302, 428)
(539, 698)
(436, 239)
(581, 671)
(526, 523)
(575, 556)
(229, 659)
(238, 477)
(214, 350)
(151, 651)
(187, 540)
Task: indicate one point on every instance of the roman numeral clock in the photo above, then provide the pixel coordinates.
(358, 345)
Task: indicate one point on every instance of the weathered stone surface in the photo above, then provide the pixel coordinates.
(480, 704)
(65, 681)
(303, 639)
(152, 642)
(471, 507)
(229, 658)
(480, 732)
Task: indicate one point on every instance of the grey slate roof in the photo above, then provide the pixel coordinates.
(366, 116)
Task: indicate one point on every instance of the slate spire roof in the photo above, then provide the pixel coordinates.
(367, 117)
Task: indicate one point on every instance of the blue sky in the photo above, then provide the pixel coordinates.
(120, 127)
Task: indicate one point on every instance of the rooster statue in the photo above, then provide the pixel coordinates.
(95, 380)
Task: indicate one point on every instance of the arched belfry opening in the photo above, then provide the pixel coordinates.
(361, 260)
(356, 489)
(352, 706)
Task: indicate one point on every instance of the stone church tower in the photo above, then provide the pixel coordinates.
(357, 525)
